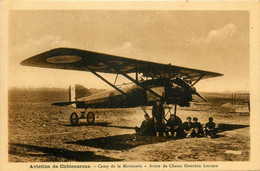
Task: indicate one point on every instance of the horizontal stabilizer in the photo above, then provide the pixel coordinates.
(63, 103)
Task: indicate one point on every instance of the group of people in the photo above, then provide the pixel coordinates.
(191, 129)
(175, 128)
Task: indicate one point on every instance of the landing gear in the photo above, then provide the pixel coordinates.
(74, 118)
(169, 107)
(159, 116)
(90, 118)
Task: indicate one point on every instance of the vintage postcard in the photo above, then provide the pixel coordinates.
(130, 85)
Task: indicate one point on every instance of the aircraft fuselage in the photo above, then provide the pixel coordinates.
(171, 91)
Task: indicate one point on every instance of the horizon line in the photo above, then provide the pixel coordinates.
(222, 91)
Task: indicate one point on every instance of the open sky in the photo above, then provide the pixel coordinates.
(217, 41)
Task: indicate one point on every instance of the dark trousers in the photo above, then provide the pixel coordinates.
(178, 131)
(197, 132)
(210, 132)
(148, 132)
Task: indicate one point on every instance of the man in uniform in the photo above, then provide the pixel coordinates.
(188, 127)
(210, 128)
(146, 127)
(173, 126)
(158, 116)
(197, 128)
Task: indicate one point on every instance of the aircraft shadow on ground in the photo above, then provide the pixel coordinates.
(104, 124)
(128, 141)
(230, 127)
(222, 127)
(56, 153)
(119, 142)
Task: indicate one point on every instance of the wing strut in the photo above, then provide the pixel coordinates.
(106, 81)
(197, 80)
(136, 82)
(116, 79)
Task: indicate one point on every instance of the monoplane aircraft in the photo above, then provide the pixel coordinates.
(166, 83)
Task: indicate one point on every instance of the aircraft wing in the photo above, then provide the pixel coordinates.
(75, 59)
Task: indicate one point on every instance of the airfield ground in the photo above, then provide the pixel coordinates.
(41, 132)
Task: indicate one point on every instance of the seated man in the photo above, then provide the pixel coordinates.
(210, 128)
(188, 127)
(197, 128)
(147, 127)
(174, 126)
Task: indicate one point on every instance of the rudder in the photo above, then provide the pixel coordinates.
(77, 91)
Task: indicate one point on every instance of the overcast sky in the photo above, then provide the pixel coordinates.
(217, 41)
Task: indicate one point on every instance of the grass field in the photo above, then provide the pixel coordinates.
(41, 132)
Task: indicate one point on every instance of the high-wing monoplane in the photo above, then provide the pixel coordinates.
(166, 83)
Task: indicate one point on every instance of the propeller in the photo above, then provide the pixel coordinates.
(190, 87)
(200, 96)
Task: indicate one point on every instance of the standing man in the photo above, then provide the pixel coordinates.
(210, 128)
(188, 127)
(158, 116)
(197, 128)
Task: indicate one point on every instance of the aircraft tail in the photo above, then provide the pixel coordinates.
(77, 91)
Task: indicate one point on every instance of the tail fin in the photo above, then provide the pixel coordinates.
(77, 91)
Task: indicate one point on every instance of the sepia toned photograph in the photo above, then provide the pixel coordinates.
(129, 86)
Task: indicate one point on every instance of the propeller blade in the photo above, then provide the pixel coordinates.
(200, 96)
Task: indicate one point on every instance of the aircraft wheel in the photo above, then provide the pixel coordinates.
(90, 117)
(74, 119)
